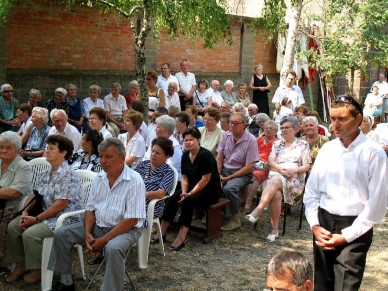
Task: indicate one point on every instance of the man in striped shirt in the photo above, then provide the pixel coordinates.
(114, 216)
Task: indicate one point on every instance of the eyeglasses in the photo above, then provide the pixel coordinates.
(208, 119)
(350, 100)
(8, 91)
(235, 122)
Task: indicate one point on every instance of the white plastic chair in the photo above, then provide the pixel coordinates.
(143, 245)
(86, 178)
(38, 166)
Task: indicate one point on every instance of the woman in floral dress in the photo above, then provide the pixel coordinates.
(289, 161)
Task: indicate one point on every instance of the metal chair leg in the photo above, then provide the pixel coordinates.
(95, 274)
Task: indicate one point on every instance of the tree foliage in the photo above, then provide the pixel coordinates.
(351, 34)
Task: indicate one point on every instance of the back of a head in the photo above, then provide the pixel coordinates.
(290, 262)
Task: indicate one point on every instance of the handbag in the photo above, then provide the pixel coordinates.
(38, 207)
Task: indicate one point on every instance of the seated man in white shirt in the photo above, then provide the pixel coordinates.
(115, 106)
(172, 97)
(215, 98)
(62, 127)
(114, 217)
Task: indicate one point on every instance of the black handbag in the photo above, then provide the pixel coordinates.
(38, 208)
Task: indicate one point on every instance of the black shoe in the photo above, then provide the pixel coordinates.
(156, 240)
(62, 287)
(178, 248)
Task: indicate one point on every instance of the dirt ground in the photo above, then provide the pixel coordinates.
(237, 261)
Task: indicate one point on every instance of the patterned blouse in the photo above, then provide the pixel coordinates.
(160, 178)
(315, 146)
(64, 184)
(291, 157)
(37, 140)
(77, 162)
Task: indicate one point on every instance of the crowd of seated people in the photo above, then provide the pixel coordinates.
(219, 141)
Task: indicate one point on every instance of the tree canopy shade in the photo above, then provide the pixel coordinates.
(350, 34)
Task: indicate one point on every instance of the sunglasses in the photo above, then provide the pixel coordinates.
(350, 100)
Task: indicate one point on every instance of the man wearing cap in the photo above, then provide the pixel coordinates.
(59, 101)
(345, 196)
(8, 107)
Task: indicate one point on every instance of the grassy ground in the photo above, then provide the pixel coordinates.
(237, 261)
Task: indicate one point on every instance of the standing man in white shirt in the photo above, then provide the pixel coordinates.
(345, 196)
(187, 84)
(115, 106)
(289, 90)
(64, 128)
(215, 98)
(166, 78)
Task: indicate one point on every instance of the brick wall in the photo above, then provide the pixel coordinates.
(48, 45)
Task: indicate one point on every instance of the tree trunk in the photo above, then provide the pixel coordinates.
(351, 82)
(289, 53)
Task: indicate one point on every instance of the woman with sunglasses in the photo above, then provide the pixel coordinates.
(289, 162)
(156, 96)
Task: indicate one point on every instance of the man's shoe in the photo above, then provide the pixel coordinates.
(32, 277)
(62, 287)
(231, 225)
(15, 275)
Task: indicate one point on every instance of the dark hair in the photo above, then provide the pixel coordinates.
(137, 106)
(225, 115)
(63, 143)
(101, 113)
(152, 74)
(25, 107)
(204, 81)
(348, 102)
(165, 144)
(162, 110)
(193, 131)
(183, 117)
(302, 109)
(213, 112)
(136, 118)
(193, 110)
(95, 138)
(291, 73)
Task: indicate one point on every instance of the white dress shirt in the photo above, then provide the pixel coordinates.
(216, 96)
(71, 133)
(172, 100)
(349, 181)
(163, 82)
(294, 94)
(89, 104)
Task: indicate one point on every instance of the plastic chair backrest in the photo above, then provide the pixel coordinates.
(38, 166)
(175, 181)
(86, 178)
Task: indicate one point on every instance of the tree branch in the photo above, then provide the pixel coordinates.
(119, 10)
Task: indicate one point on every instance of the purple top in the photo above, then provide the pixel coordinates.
(236, 156)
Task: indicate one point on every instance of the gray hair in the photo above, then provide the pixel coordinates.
(61, 90)
(215, 81)
(242, 84)
(238, 106)
(13, 138)
(313, 118)
(259, 66)
(253, 105)
(5, 87)
(292, 120)
(242, 115)
(35, 92)
(133, 83)
(71, 85)
(173, 108)
(290, 262)
(166, 122)
(228, 82)
(261, 117)
(116, 85)
(42, 113)
(55, 110)
(95, 88)
(112, 141)
(272, 123)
